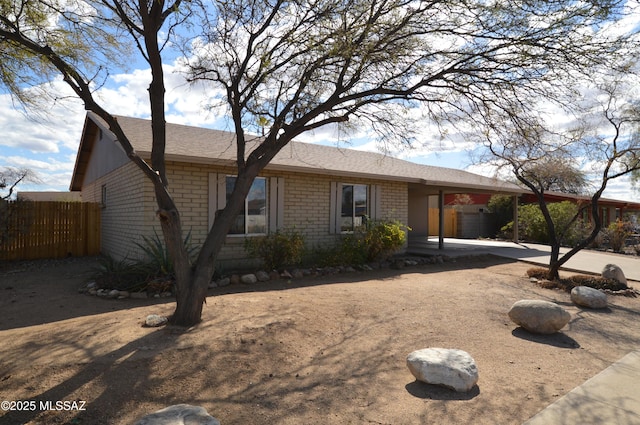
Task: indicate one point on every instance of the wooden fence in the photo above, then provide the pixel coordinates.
(450, 222)
(31, 230)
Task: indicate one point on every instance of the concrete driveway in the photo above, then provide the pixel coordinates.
(587, 261)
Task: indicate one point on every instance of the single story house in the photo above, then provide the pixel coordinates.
(321, 191)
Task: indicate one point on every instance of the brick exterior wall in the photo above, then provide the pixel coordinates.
(131, 209)
(124, 214)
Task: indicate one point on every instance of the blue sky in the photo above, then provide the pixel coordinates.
(48, 143)
(46, 140)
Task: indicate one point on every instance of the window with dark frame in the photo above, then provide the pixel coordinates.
(103, 196)
(253, 218)
(355, 206)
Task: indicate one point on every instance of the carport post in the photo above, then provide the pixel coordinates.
(515, 219)
(440, 219)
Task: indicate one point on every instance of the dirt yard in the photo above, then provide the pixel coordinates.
(328, 350)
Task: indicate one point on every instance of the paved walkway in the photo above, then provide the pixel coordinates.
(612, 397)
(584, 261)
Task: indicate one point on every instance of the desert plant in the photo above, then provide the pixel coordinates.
(617, 233)
(567, 284)
(384, 238)
(533, 227)
(277, 249)
(377, 240)
(122, 274)
(157, 260)
(502, 208)
(538, 272)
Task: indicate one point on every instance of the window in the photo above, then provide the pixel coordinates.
(351, 205)
(355, 207)
(263, 208)
(253, 218)
(103, 196)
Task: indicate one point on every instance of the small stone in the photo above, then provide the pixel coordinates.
(91, 285)
(262, 276)
(212, 284)
(180, 414)
(114, 293)
(537, 316)
(398, 264)
(248, 278)
(154, 320)
(235, 279)
(588, 297)
(286, 275)
(274, 275)
(449, 368)
(225, 281)
(166, 294)
(123, 294)
(92, 291)
(138, 295)
(297, 274)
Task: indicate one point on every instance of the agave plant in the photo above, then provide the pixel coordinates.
(157, 259)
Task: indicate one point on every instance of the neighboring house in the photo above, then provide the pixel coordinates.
(475, 218)
(320, 191)
(50, 196)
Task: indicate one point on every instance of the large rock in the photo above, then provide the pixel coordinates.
(537, 316)
(449, 368)
(588, 297)
(179, 414)
(611, 271)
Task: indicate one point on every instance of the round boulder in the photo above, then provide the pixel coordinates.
(612, 271)
(588, 297)
(179, 414)
(537, 316)
(449, 368)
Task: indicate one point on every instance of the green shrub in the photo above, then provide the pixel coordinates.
(533, 227)
(617, 233)
(278, 249)
(383, 238)
(502, 208)
(377, 240)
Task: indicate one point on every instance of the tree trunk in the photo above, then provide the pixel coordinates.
(190, 299)
(192, 282)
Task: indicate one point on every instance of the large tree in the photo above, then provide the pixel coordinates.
(295, 66)
(11, 177)
(603, 147)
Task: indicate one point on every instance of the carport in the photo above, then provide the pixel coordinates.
(450, 181)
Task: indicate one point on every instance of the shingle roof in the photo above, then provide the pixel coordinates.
(201, 145)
